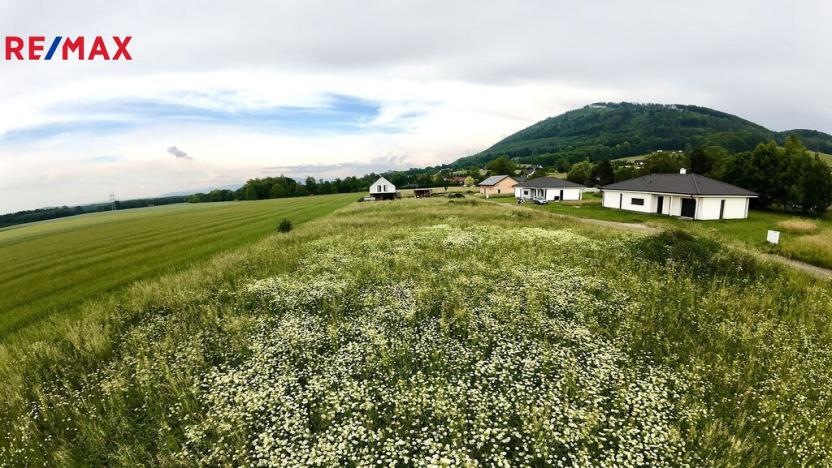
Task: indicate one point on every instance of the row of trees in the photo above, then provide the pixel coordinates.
(283, 187)
(788, 177)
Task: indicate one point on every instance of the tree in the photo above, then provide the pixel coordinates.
(626, 173)
(469, 181)
(664, 162)
(580, 173)
(604, 173)
(817, 182)
(278, 190)
(311, 185)
(501, 166)
(700, 161)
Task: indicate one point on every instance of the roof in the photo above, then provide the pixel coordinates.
(382, 181)
(549, 182)
(493, 180)
(686, 184)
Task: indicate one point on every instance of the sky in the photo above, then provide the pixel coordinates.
(219, 92)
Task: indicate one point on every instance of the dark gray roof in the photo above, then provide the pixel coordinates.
(549, 182)
(493, 180)
(685, 184)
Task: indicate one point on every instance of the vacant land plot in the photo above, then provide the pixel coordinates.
(52, 267)
(444, 332)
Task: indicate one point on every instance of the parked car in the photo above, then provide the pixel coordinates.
(540, 201)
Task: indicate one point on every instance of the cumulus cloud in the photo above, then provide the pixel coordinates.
(178, 153)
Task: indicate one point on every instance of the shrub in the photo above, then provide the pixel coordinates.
(701, 257)
(798, 226)
(284, 226)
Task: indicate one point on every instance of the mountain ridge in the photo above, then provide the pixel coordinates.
(606, 130)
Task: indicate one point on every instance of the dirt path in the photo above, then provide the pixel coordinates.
(815, 271)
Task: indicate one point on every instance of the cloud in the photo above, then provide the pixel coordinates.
(389, 162)
(316, 88)
(178, 153)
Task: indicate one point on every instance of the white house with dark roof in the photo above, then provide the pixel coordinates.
(686, 195)
(549, 189)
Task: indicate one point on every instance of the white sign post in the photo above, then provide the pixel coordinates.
(773, 237)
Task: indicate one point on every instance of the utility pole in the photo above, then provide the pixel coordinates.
(112, 201)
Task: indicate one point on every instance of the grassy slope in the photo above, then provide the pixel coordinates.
(387, 328)
(812, 248)
(52, 267)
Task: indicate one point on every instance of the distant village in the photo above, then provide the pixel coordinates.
(681, 194)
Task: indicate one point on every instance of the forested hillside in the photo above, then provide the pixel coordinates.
(608, 130)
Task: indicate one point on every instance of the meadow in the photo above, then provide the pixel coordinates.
(53, 267)
(811, 244)
(438, 332)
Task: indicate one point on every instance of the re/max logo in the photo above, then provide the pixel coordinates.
(33, 47)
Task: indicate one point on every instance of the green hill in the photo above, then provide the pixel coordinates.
(613, 130)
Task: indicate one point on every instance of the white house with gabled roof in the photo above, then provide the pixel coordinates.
(383, 189)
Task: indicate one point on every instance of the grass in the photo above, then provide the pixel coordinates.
(826, 157)
(437, 331)
(55, 266)
(798, 226)
(795, 242)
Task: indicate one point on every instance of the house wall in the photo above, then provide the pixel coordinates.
(612, 199)
(708, 207)
(385, 184)
(503, 187)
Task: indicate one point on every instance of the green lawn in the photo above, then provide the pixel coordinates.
(52, 267)
(814, 247)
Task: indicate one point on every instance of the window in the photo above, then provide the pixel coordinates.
(378, 188)
(637, 201)
(385, 188)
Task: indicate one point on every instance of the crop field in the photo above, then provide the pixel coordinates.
(52, 267)
(438, 332)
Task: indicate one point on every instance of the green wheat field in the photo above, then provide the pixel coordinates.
(50, 268)
(442, 332)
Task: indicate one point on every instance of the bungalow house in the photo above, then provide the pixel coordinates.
(549, 189)
(497, 185)
(383, 189)
(687, 195)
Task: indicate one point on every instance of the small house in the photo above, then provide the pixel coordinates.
(383, 189)
(497, 185)
(549, 189)
(686, 195)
